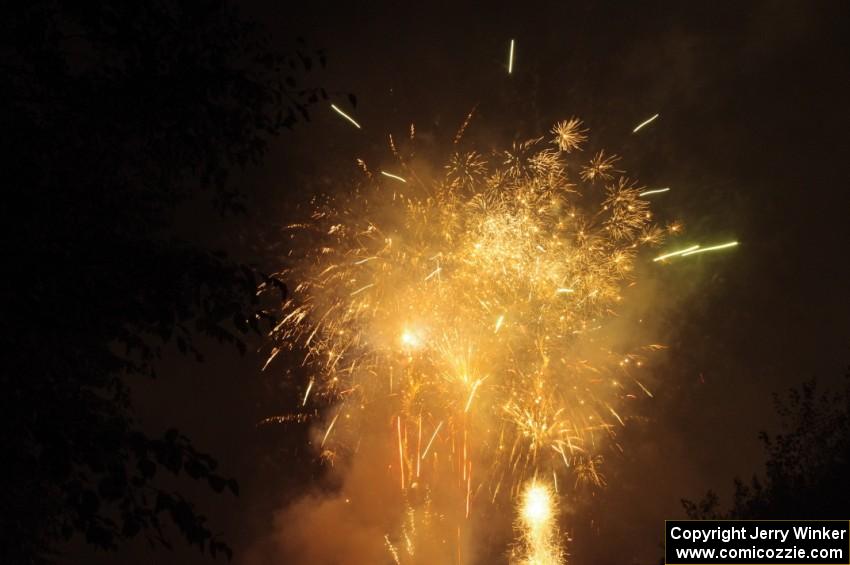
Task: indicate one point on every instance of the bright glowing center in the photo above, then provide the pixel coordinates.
(410, 340)
(537, 507)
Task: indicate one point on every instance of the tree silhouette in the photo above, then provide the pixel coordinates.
(114, 113)
(807, 465)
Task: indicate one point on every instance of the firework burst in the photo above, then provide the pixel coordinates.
(464, 311)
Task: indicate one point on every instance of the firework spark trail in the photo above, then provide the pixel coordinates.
(511, 58)
(469, 305)
(712, 248)
(645, 123)
(695, 249)
(430, 441)
(328, 431)
(395, 177)
(676, 253)
(346, 116)
(653, 191)
(307, 392)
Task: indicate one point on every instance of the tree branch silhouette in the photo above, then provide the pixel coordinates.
(115, 113)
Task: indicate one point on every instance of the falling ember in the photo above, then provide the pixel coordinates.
(539, 540)
(433, 436)
(392, 176)
(400, 452)
(328, 431)
(392, 549)
(644, 389)
(472, 394)
(346, 116)
(362, 288)
(433, 273)
(645, 123)
(511, 58)
(307, 392)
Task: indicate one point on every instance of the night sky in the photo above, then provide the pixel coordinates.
(752, 138)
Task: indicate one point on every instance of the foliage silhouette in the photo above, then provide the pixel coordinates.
(807, 465)
(114, 113)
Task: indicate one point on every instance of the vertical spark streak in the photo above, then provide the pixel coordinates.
(391, 548)
(419, 446)
(400, 453)
(463, 462)
(472, 394)
(468, 487)
(511, 58)
(307, 393)
(328, 431)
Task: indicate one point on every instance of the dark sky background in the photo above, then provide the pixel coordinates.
(753, 139)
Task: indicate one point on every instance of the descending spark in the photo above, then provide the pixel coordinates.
(472, 394)
(464, 125)
(675, 253)
(619, 419)
(400, 452)
(654, 191)
(419, 447)
(361, 289)
(392, 176)
(307, 393)
(499, 322)
(346, 116)
(328, 431)
(511, 58)
(392, 549)
(644, 389)
(433, 436)
(433, 273)
(712, 248)
(645, 123)
(468, 488)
